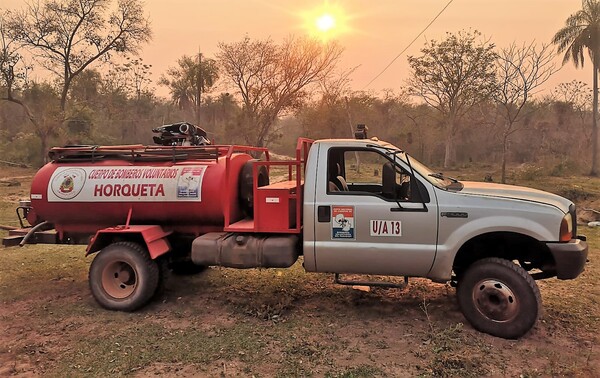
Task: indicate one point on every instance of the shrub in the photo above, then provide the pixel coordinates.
(529, 172)
(564, 167)
(22, 148)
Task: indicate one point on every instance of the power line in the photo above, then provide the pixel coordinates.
(410, 44)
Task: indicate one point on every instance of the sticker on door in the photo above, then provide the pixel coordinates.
(342, 222)
(385, 228)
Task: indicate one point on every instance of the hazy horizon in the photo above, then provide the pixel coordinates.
(373, 33)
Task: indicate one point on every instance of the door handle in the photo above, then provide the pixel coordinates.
(324, 214)
(422, 209)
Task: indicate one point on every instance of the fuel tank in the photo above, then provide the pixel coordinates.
(190, 196)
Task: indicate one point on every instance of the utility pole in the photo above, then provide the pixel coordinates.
(199, 87)
(356, 156)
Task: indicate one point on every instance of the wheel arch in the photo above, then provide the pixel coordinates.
(507, 245)
(153, 237)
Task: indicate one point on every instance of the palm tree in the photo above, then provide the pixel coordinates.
(582, 32)
(188, 81)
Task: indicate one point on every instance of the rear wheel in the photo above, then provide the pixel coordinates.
(499, 297)
(123, 277)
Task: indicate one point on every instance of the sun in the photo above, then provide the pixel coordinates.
(325, 22)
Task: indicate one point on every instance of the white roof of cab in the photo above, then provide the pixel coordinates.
(357, 142)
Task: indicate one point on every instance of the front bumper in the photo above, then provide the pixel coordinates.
(570, 258)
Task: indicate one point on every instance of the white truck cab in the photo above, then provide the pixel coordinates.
(370, 208)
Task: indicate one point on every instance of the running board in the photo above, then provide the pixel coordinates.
(11, 241)
(339, 281)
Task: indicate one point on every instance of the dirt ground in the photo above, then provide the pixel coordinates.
(263, 323)
(223, 324)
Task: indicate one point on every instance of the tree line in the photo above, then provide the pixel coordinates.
(465, 100)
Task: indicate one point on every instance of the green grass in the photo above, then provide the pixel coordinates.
(24, 271)
(277, 323)
(131, 346)
(281, 322)
(361, 371)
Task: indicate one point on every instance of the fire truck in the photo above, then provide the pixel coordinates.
(350, 207)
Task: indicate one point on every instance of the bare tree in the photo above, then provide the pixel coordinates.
(12, 68)
(272, 79)
(453, 76)
(520, 71)
(13, 76)
(414, 113)
(66, 36)
(336, 86)
(138, 75)
(577, 94)
(334, 89)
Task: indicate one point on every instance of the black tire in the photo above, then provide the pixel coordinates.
(164, 275)
(123, 277)
(499, 297)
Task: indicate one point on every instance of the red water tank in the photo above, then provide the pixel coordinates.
(80, 196)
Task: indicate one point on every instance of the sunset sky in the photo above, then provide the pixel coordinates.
(372, 32)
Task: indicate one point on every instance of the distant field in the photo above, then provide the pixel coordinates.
(284, 323)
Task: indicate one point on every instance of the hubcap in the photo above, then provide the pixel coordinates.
(495, 300)
(119, 279)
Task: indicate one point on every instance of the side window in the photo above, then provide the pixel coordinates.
(366, 172)
(364, 167)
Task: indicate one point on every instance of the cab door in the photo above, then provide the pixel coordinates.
(383, 223)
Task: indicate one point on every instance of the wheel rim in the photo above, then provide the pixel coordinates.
(495, 300)
(119, 279)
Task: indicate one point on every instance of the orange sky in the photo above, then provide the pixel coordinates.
(377, 30)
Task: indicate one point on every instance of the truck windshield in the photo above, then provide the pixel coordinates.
(436, 179)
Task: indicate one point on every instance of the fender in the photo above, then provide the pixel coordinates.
(447, 249)
(153, 236)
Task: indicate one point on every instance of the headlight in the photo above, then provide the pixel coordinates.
(566, 228)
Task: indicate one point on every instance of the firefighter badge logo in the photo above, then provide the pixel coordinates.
(67, 183)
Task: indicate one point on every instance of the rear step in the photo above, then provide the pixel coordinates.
(19, 231)
(11, 241)
(16, 236)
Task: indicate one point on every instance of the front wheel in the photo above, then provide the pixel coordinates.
(123, 277)
(499, 297)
